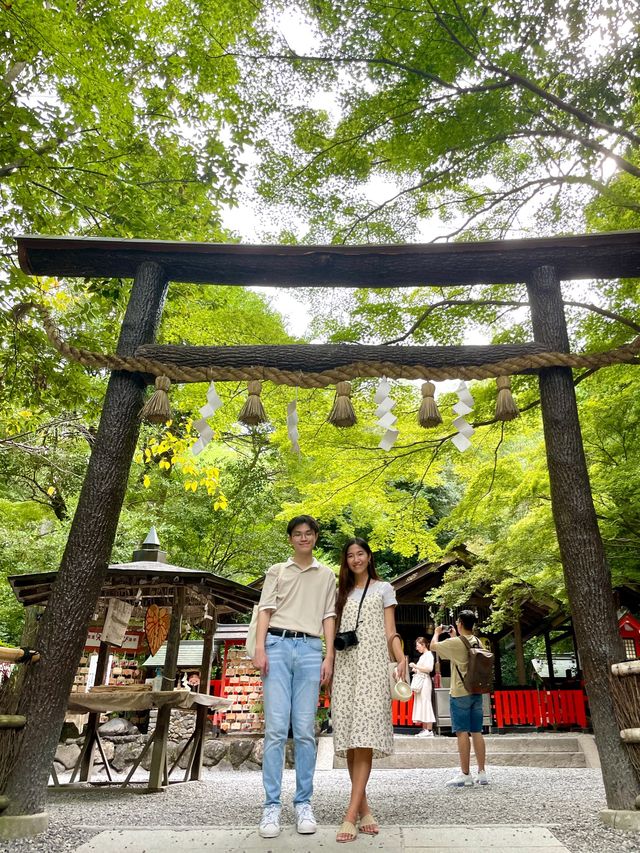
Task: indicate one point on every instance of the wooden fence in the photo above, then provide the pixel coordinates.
(518, 707)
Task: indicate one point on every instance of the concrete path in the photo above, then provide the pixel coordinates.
(398, 839)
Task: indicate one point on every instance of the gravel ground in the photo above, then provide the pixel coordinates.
(565, 800)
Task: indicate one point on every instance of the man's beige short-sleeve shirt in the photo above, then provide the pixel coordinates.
(455, 651)
(299, 598)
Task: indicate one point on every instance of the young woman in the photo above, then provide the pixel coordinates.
(361, 697)
(422, 699)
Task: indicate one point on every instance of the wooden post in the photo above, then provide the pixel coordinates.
(173, 640)
(586, 572)
(497, 653)
(521, 668)
(549, 654)
(88, 748)
(159, 755)
(63, 629)
(201, 711)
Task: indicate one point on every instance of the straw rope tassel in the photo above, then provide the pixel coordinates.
(506, 408)
(253, 412)
(342, 413)
(157, 409)
(429, 415)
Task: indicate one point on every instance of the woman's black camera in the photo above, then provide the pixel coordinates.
(344, 640)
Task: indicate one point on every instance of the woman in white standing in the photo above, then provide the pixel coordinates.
(361, 696)
(422, 697)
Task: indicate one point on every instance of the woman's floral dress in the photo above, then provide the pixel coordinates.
(361, 697)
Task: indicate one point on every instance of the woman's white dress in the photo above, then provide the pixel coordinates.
(422, 701)
(360, 696)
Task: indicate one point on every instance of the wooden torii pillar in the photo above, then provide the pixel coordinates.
(63, 628)
(586, 571)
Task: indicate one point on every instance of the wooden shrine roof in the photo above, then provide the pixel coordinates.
(609, 255)
(155, 580)
(412, 586)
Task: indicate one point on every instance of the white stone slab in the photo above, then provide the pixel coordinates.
(399, 839)
(488, 837)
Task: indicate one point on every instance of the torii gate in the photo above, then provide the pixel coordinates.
(541, 263)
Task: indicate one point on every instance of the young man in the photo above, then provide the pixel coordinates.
(466, 708)
(297, 607)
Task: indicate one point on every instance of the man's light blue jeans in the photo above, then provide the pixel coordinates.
(290, 691)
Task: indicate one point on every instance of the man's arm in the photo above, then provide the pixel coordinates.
(260, 660)
(329, 631)
(266, 608)
(437, 645)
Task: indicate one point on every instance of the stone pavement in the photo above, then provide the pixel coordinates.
(399, 839)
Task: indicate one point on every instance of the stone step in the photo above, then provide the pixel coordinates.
(501, 743)
(547, 750)
(406, 761)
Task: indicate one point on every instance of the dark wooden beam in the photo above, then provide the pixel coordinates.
(315, 358)
(609, 255)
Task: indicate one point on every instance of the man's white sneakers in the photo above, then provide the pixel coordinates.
(270, 823)
(305, 821)
(460, 780)
(463, 780)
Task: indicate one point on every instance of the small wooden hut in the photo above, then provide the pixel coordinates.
(196, 596)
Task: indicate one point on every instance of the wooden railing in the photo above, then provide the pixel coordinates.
(541, 708)
(521, 707)
(515, 707)
(401, 713)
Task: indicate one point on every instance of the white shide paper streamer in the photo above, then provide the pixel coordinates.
(463, 407)
(205, 433)
(386, 418)
(292, 426)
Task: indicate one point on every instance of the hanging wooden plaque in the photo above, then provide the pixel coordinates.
(116, 621)
(156, 626)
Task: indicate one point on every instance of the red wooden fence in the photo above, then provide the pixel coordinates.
(540, 708)
(401, 713)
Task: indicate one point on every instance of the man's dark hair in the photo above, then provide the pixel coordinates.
(303, 519)
(468, 619)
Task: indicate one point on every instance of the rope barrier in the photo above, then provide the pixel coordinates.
(625, 354)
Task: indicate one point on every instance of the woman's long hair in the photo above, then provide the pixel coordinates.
(346, 578)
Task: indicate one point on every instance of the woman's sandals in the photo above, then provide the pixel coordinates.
(348, 831)
(369, 825)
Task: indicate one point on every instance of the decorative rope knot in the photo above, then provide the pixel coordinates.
(157, 409)
(342, 413)
(429, 415)
(253, 413)
(506, 407)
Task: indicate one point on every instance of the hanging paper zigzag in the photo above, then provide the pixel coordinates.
(292, 425)
(386, 418)
(208, 410)
(463, 407)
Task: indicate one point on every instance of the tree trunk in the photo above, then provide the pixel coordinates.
(586, 571)
(63, 629)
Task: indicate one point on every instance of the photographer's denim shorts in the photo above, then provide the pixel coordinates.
(466, 713)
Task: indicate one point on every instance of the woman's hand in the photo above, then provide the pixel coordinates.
(400, 669)
(413, 666)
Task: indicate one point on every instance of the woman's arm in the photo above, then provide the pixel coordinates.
(395, 639)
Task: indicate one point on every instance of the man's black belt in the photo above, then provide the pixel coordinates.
(296, 635)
